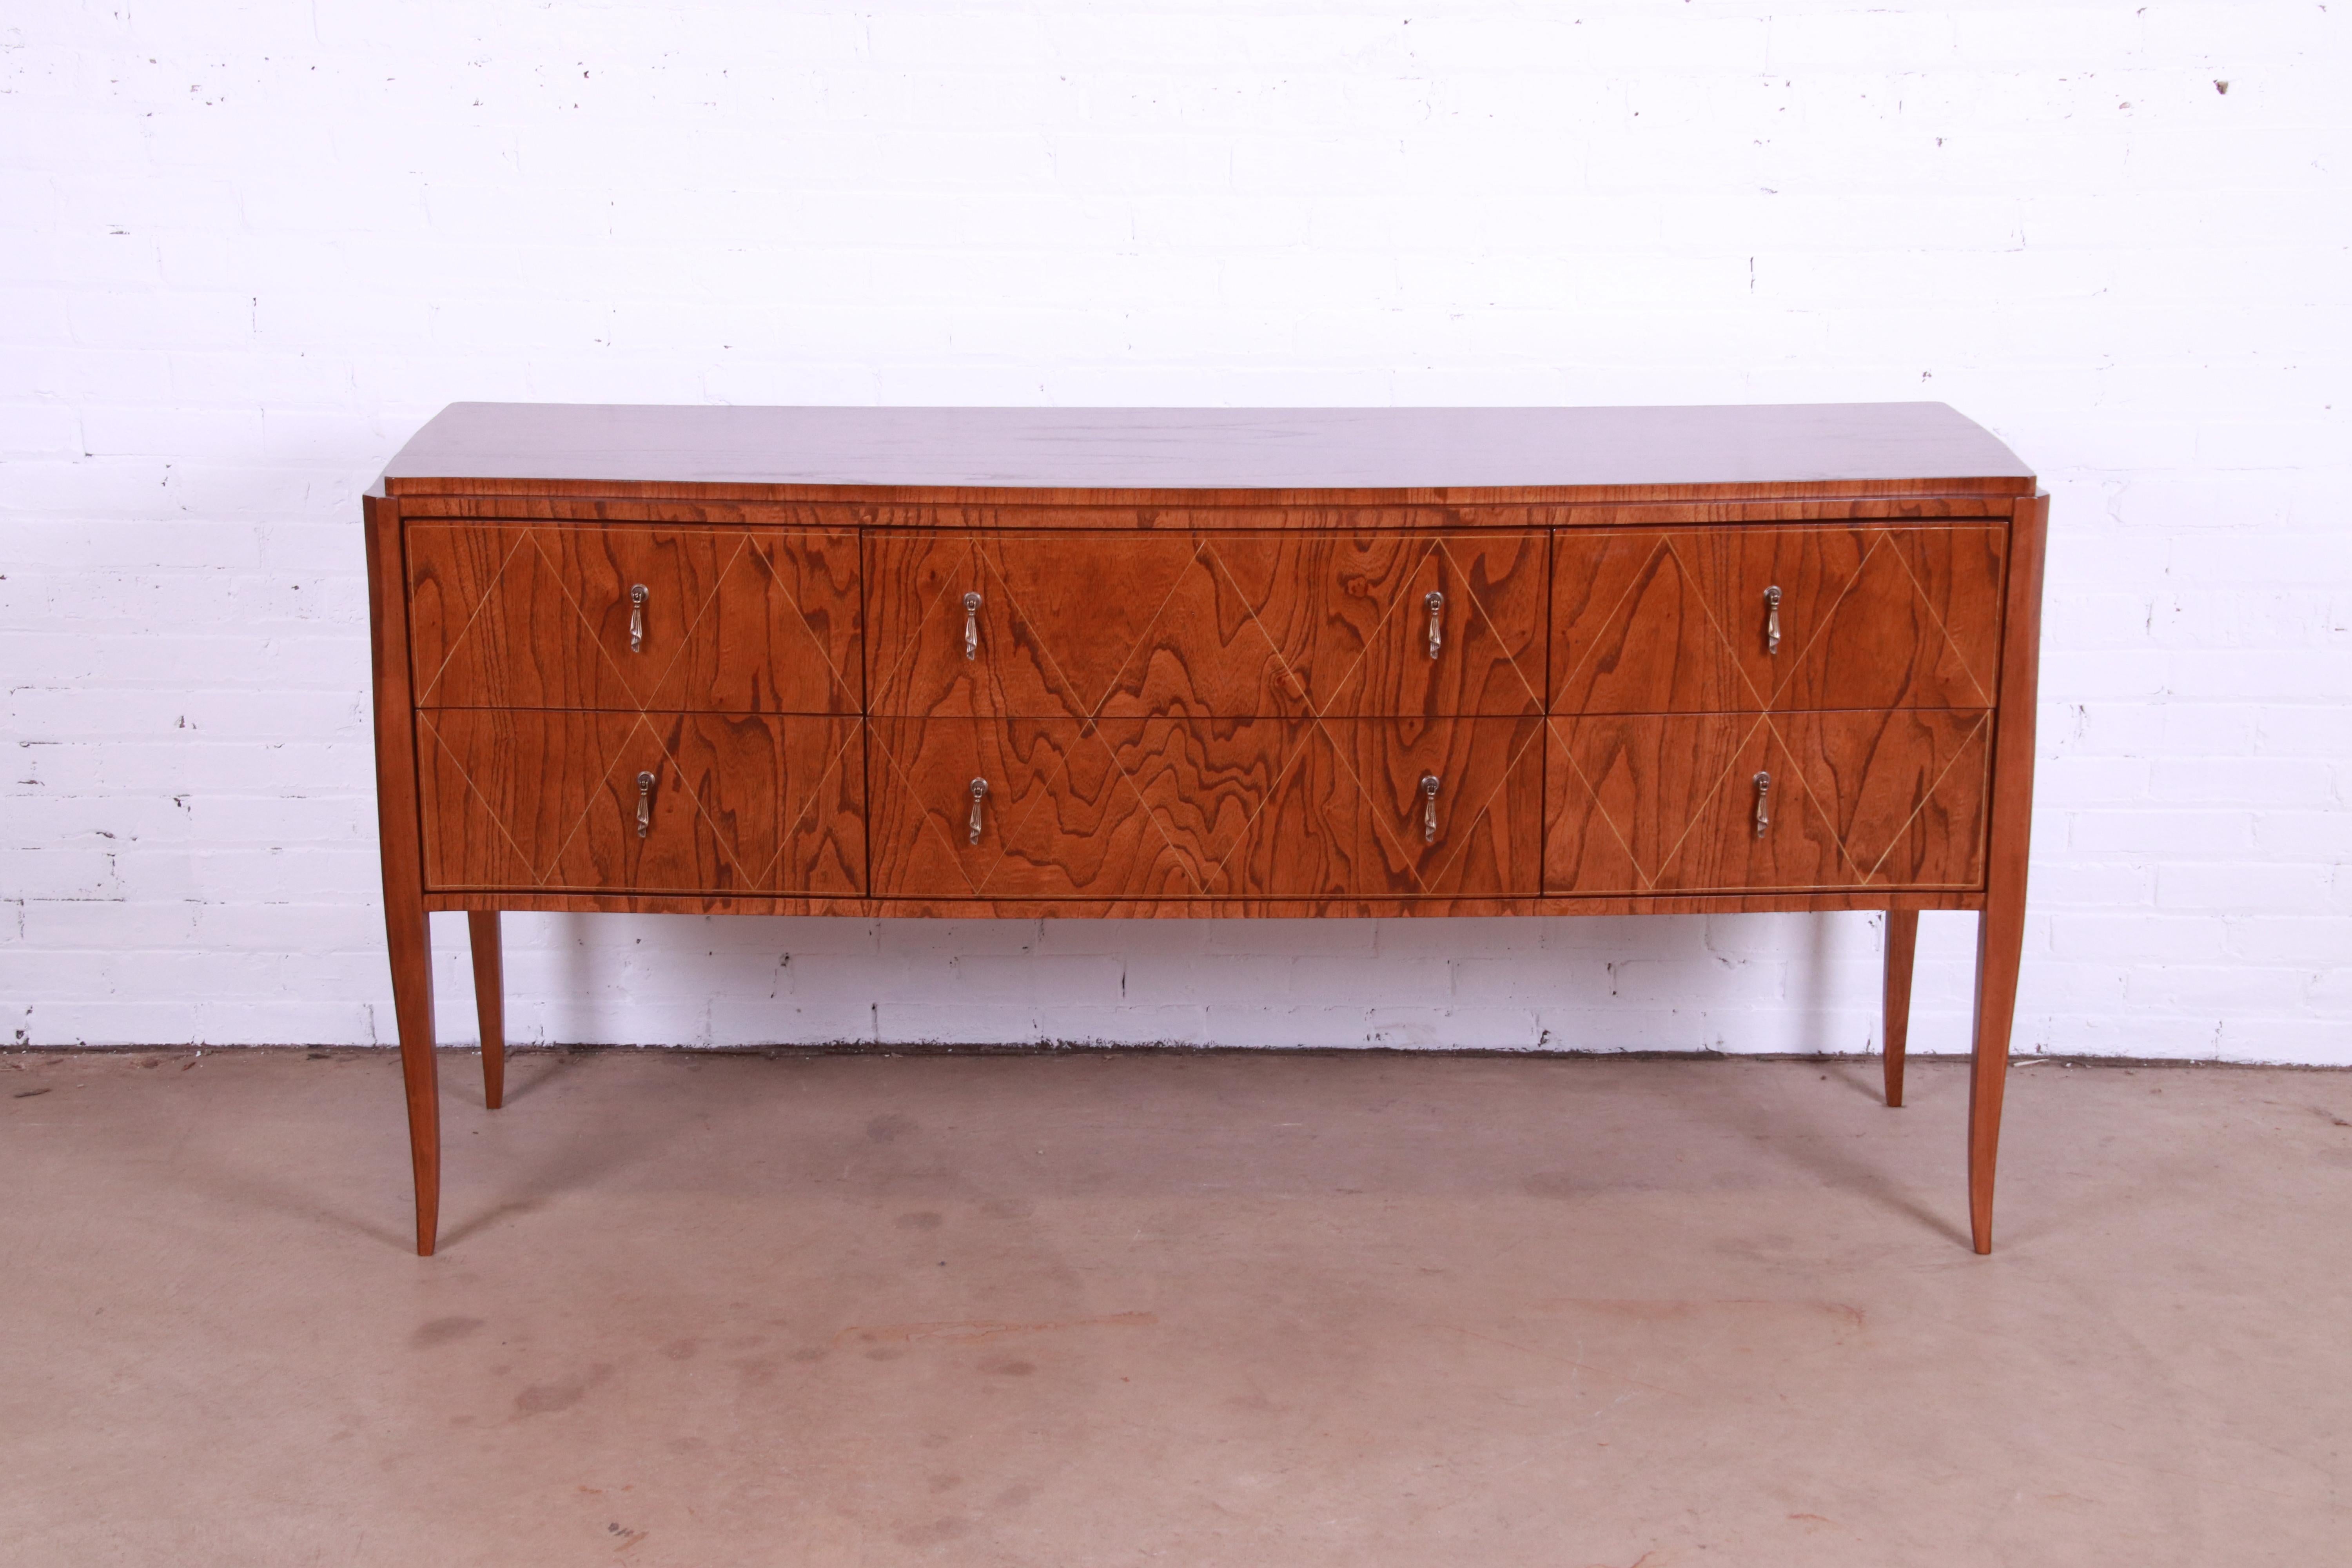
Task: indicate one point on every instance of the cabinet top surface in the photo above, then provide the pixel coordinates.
(1208, 448)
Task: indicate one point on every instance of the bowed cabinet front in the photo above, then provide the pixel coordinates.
(705, 695)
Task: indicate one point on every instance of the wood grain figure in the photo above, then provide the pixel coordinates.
(1204, 663)
(620, 618)
(1057, 817)
(1901, 945)
(489, 1002)
(1634, 630)
(1859, 629)
(1350, 814)
(727, 802)
(408, 937)
(1348, 616)
(1904, 790)
(1740, 620)
(2001, 928)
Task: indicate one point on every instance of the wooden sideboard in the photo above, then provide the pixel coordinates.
(1204, 662)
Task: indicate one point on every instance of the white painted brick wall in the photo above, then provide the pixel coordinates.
(246, 249)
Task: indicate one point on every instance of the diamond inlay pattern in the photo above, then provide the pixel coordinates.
(1872, 718)
(1211, 715)
(1665, 621)
(548, 799)
(505, 616)
(739, 695)
(1176, 714)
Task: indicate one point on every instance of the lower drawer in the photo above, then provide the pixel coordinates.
(1266, 807)
(1710, 803)
(677, 803)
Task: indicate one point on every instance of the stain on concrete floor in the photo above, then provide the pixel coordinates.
(1212, 1310)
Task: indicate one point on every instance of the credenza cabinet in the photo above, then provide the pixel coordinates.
(1208, 663)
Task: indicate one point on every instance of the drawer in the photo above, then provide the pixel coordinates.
(1351, 617)
(1668, 803)
(607, 616)
(1055, 816)
(1140, 624)
(1352, 815)
(539, 799)
(1255, 808)
(1682, 621)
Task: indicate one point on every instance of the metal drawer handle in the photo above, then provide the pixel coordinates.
(644, 804)
(1435, 605)
(972, 629)
(1773, 621)
(637, 597)
(1763, 812)
(1429, 809)
(979, 794)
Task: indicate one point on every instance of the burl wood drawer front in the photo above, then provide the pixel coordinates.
(699, 803)
(1053, 817)
(1142, 624)
(1134, 809)
(1354, 813)
(1673, 803)
(609, 615)
(1747, 619)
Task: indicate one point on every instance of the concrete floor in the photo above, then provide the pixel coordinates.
(1227, 1309)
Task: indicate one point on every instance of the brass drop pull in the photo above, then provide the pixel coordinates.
(1773, 621)
(644, 804)
(1763, 811)
(637, 597)
(979, 794)
(972, 630)
(1435, 605)
(1429, 809)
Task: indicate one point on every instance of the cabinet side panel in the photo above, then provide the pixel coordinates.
(2020, 682)
(395, 740)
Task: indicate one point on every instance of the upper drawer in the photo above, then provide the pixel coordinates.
(1145, 625)
(1749, 619)
(615, 617)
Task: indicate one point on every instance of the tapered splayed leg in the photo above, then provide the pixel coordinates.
(2000, 948)
(489, 1002)
(406, 936)
(411, 996)
(2001, 928)
(1902, 944)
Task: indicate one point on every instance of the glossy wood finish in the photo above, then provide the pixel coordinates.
(407, 934)
(541, 616)
(1126, 809)
(747, 802)
(1349, 617)
(1636, 629)
(1902, 791)
(1199, 679)
(1013, 670)
(489, 1002)
(1299, 454)
(1902, 946)
(1668, 621)
(2001, 928)
(885, 510)
(1666, 803)
(1147, 624)
(1356, 907)
(1349, 817)
(1058, 819)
